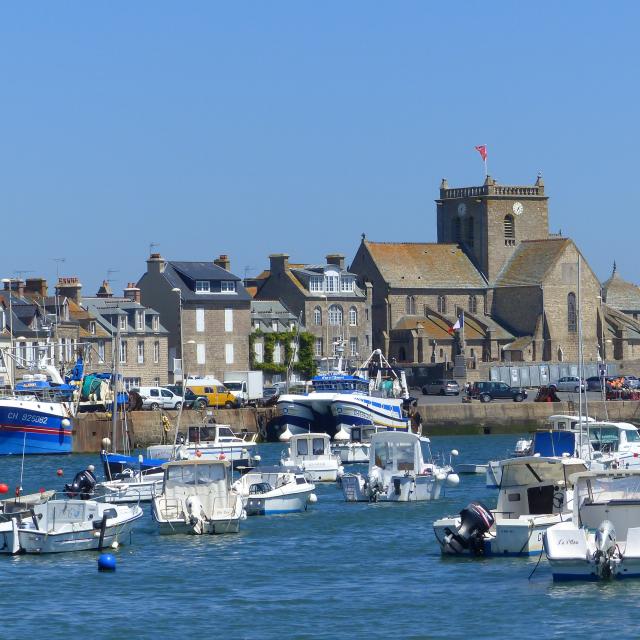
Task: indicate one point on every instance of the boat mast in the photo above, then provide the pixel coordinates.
(114, 385)
(581, 363)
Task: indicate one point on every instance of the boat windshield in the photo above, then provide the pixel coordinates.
(302, 448)
(604, 438)
(632, 435)
(318, 446)
(605, 489)
(382, 455)
(518, 475)
(195, 474)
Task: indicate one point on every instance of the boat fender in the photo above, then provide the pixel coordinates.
(453, 479)
(313, 498)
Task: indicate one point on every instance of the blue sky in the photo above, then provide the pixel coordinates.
(249, 128)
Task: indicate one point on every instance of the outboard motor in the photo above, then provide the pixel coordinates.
(196, 513)
(605, 540)
(83, 485)
(475, 521)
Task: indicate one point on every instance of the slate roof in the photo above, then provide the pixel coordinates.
(620, 294)
(265, 312)
(617, 321)
(184, 274)
(425, 265)
(103, 308)
(531, 261)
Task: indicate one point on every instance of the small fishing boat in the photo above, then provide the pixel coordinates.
(197, 498)
(311, 452)
(272, 490)
(353, 447)
(75, 525)
(401, 469)
(535, 493)
(602, 540)
(136, 487)
(12, 511)
(209, 441)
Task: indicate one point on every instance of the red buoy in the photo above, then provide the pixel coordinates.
(4, 488)
(60, 472)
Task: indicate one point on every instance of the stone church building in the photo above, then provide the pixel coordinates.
(495, 261)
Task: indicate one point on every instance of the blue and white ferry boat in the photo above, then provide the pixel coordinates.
(374, 395)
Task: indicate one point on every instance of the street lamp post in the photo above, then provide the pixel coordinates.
(179, 292)
(12, 366)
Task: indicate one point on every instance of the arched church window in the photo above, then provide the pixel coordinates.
(410, 305)
(509, 230)
(572, 316)
(473, 304)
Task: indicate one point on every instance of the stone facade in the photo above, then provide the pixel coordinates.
(331, 306)
(205, 309)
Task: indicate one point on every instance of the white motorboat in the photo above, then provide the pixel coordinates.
(401, 469)
(374, 394)
(535, 493)
(561, 436)
(136, 488)
(311, 452)
(75, 525)
(353, 447)
(602, 540)
(197, 498)
(272, 490)
(209, 441)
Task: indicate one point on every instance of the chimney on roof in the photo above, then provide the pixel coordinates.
(223, 262)
(69, 288)
(105, 290)
(155, 263)
(16, 285)
(132, 292)
(337, 259)
(37, 286)
(278, 262)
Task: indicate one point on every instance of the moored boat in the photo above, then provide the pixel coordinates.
(311, 452)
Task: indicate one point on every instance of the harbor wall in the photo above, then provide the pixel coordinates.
(147, 427)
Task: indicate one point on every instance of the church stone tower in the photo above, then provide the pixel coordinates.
(490, 221)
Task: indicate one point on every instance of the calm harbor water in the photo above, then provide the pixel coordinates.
(338, 571)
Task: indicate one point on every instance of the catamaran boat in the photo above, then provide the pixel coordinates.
(272, 490)
(197, 498)
(75, 525)
(602, 539)
(209, 441)
(559, 437)
(374, 394)
(401, 469)
(535, 493)
(311, 452)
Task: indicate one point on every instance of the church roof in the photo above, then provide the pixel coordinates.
(620, 294)
(425, 265)
(531, 261)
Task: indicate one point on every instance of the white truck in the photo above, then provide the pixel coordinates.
(247, 386)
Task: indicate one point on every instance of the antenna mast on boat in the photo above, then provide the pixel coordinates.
(581, 364)
(114, 405)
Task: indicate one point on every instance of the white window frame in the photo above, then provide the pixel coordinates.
(201, 356)
(347, 283)
(258, 350)
(156, 352)
(317, 316)
(155, 323)
(318, 347)
(123, 352)
(227, 286)
(353, 346)
(353, 317)
(123, 323)
(332, 283)
(140, 350)
(203, 286)
(199, 319)
(315, 283)
(139, 320)
(336, 316)
(228, 320)
(228, 353)
(101, 351)
(277, 353)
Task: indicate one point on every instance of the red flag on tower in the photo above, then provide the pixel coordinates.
(482, 150)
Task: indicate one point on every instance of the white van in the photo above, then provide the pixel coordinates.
(158, 398)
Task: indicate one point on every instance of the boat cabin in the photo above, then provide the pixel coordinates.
(394, 452)
(339, 383)
(211, 433)
(607, 495)
(210, 480)
(535, 485)
(306, 446)
(612, 437)
(561, 422)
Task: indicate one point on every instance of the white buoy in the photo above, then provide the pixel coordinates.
(257, 458)
(453, 479)
(455, 452)
(285, 436)
(313, 498)
(65, 422)
(106, 443)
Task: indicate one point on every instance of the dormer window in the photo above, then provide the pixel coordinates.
(348, 284)
(155, 323)
(123, 323)
(203, 286)
(227, 286)
(315, 283)
(331, 282)
(139, 320)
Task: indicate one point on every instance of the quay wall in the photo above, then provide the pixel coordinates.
(146, 427)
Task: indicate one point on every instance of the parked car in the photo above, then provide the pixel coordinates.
(217, 394)
(594, 383)
(191, 400)
(487, 391)
(442, 388)
(158, 398)
(632, 382)
(569, 383)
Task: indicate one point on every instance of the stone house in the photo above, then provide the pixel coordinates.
(206, 311)
(143, 355)
(327, 300)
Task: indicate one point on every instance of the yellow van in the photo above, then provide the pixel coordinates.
(217, 395)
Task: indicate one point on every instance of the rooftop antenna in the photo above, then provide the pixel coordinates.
(58, 262)
(22, 272)
(110, 272)
(246, 270)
